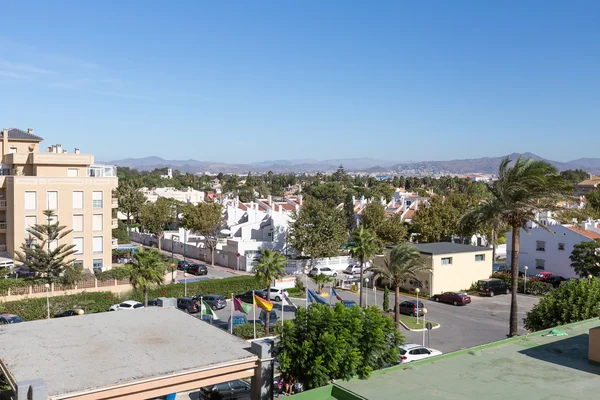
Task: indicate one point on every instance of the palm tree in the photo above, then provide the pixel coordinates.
(270, 267)
(520, 193)
(320, 280)
(147, 270)
(405, 262)
(363, 247)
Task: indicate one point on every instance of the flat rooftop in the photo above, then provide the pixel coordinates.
(100, 350)
(448, 248)
(527, 367)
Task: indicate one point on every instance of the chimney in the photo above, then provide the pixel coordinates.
(54, 148)
(300, 199)
(65, 151)
(59, 148)
(5, 133)
(30, 131)
(49, 149)
(76, 150)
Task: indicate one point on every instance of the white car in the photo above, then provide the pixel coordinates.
(126, 305)
(323, 270)
(415, 352)
(353, 269)
(277, 293)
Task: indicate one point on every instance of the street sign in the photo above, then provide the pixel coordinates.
(428, 326)
(172, 265)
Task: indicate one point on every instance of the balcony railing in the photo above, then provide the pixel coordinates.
(114, 223)
(2, 203)
(114, 203)
(102, 171)
(2, 225)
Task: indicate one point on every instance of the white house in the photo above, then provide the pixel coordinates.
(189, 195)
(169, 174)
(542, 250)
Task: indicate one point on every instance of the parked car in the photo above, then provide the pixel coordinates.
(414, 352)
(277, 293)
(247, 297)
(69, 313)
(7, 319)
(458, 299)
(233, 390)
(197, 269)
(352, 269)
(410, 307)
(491, 287)
(214, 301)
(188, 304)
(322, 270)
(349, 303)
(273, 317)
(505, 269)
(182, 265)
(542, 276)
(555, 280)
(126, 305)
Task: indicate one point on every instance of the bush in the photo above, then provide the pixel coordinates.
(121, 272)
(534, 287)
(246, 331)
(386, 298)
(571, 302)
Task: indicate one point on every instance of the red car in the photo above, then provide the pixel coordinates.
(458, 299)
(542, 276)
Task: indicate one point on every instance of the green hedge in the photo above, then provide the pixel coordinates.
(534, 287)
(246, 331)
(32, 309)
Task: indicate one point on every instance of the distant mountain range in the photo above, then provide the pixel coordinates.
(485, 165)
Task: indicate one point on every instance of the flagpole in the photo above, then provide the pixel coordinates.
(330, 287)
(283, 301)
(231, 317)
(254, 307)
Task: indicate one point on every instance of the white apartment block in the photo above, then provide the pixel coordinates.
(542, 250)
(189, 195)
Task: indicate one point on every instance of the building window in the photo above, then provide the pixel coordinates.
(53, 245)
(561, 246)
(479, 257)
(97, 264)
(78, 242)
(78, 223)
(540, 245)
(97, 222)
(540, 264)
(97, 200)
(78, 263)
(97, 244)
(77, 200)
(30, 221)
(51, 200)
(30, 200)
(447, 261)
(72, 172)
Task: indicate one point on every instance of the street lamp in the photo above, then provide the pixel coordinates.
(184, 283)
(424, 314)
(47, 286)
(306, 285)
(417, 290)
(366, 295)
(525, 284)
(589, 278)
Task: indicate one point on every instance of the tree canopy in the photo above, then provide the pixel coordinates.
(154, 217)
(271, 266)
(585, 259)
(147, 270)
(205, 219)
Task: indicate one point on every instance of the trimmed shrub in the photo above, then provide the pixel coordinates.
(246, 331)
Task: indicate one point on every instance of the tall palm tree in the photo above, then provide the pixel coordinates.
(270, 267)
(320, 280)
(147, 270)
(405, 262)
(363, 247)
(520, 193)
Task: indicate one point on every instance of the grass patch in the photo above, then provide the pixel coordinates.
(294, 292)
(411, 322)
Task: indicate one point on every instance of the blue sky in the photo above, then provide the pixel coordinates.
(253, 81)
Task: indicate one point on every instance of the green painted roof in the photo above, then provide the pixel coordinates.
(532, 367)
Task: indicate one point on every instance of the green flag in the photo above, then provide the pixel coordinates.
(206, 310)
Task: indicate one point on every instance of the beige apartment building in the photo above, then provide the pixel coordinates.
(34, 179)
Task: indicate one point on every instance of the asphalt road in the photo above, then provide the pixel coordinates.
(485, 320)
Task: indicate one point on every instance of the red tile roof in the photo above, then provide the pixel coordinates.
(583, 232)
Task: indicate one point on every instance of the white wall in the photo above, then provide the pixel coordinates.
(555, 261)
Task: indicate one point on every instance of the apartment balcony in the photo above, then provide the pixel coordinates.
(102, 171)
(114, 203)
(114, 223)
(2, 227)
(2, 204)
(115, 243)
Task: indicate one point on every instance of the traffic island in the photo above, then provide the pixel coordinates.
(410, 323)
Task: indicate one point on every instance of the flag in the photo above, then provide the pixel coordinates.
(262, 303)
(314, 298)
(239, 305)
(206, 310)
(334, 293)
(287, 301)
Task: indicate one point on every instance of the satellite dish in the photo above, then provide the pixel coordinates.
(225, 232)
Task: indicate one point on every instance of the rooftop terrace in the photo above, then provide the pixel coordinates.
(527, 367)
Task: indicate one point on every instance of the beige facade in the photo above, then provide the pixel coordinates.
(79, 192)
(454, 267)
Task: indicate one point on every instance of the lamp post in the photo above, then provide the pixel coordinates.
(47, 286)
(306, 285)
(424, 314)
(185, 283)
(417, 290)
(525, 282)
(366, 295)
(173, 239)
(589, 278)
